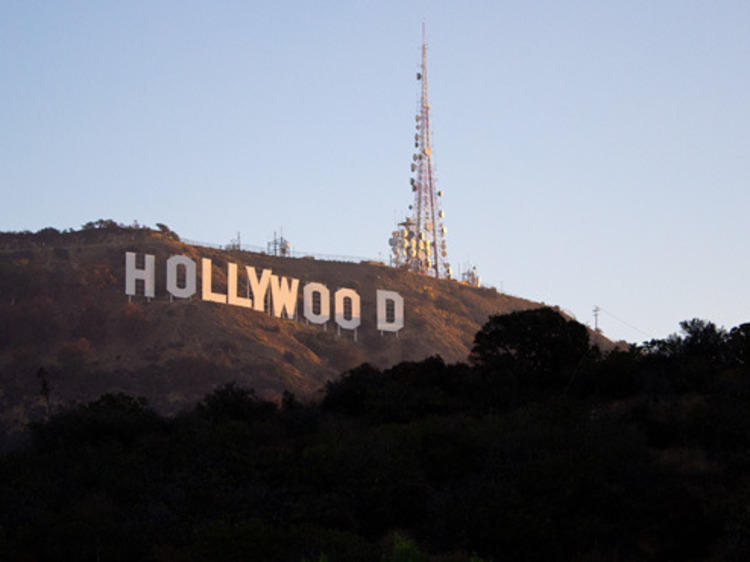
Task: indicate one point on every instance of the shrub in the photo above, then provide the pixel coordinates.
(74, 354)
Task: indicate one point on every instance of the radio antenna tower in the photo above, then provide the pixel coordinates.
(419, 244)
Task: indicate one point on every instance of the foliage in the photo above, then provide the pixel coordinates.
(167, 232)
(100, 276)
(232, 402)
(103, 224)
(534, 340)
(538, 450)
(532, 352)
(404, 550)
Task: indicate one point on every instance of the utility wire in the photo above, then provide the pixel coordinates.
(626, 323)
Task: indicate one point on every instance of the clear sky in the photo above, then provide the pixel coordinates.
(590, 152)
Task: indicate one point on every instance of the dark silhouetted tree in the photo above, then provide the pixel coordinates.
(233, 402)
(704, 338)
(538, 347)
(738, 342)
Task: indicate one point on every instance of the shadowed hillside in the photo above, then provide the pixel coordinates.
(68, 332)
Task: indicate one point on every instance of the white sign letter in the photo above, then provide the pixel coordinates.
(259, 288)
(232, 296)
(147, 274)
(284, 294)
(394, 321)
(339, 299)
(172, 287)
(324, 294)
(208, 294)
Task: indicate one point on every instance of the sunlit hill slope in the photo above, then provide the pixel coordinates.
(68, 331)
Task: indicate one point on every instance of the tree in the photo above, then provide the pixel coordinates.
(537, 347)
(739, 343)
(703, 338)
(167, 232)
(348, 395)
(48, 235)
(233, 402)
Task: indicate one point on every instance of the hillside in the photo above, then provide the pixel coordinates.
(68, 331)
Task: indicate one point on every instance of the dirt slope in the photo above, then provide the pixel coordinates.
(63, 310)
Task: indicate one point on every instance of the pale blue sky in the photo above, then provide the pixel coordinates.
(590, 152)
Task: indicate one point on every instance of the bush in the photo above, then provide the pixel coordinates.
(74, 354)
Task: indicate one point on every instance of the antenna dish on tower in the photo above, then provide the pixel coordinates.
(423, 232)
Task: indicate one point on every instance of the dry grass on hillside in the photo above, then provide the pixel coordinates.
(64, 309)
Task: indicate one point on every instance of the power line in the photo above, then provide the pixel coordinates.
(608, 313)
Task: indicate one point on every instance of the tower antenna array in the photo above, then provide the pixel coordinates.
(419, 245)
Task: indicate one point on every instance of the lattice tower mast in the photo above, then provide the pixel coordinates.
(421, 246)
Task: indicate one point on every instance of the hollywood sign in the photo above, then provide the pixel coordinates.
(282, 297)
